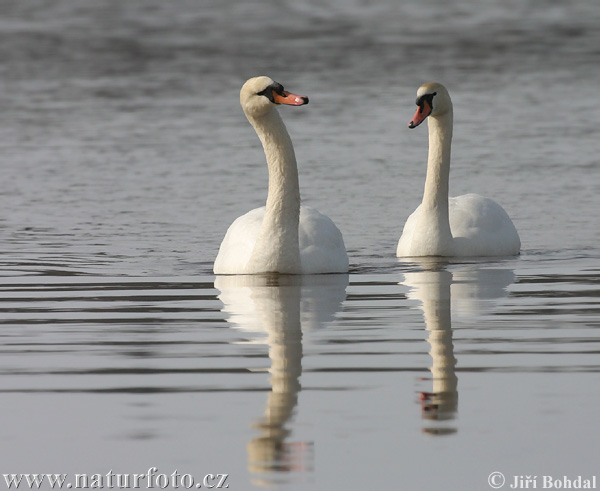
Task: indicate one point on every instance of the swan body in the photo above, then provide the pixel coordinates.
(468, 225)
(282, 236)
(321, 246)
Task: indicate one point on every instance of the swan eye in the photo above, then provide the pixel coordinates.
(268, 92)
(278, 88)
(425, 98)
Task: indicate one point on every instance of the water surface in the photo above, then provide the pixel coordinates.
(125, 157)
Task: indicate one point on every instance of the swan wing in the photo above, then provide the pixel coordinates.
(408, 232)
(481, 227)
(238, 243)
(322, 248)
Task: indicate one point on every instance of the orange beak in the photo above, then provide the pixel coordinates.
(290, 99)
(422, 112)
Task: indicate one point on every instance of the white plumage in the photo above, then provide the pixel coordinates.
(281, 237)
(321, 245)
(479, 225)
(468, 225)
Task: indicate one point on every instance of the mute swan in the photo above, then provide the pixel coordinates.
(468, 225)
(281, 237)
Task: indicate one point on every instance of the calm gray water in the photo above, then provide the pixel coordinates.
(125, 156)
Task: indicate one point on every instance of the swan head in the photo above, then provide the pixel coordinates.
(433, 100)
(261, 94)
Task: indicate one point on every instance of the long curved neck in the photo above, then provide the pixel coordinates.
(434, 218)
(435, 196)
(277, 248)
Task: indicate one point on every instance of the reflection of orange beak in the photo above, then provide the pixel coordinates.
(290, 99)
(420, 115)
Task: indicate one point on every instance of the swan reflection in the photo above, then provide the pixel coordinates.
(283, 307)
(467, 291)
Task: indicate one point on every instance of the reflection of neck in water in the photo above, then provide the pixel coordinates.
(432, 288)
(469, 290)
(280, 309)
(438, 321)
(282, 306)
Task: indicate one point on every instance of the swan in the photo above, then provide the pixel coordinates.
(283, 236)
(468, 225)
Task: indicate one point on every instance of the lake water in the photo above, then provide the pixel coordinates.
(125, 156)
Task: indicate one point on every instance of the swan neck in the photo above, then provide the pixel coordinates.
(435, 196)
(278, 238)
(284, 189)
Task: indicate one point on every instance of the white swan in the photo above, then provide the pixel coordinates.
(281, 237)
(468, 225)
